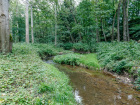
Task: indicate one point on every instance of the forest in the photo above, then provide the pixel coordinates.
(69, 52)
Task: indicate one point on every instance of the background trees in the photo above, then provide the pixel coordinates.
(90, 21)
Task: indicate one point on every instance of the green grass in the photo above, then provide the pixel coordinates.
(89, 60)
(86, 60)
(26, 80)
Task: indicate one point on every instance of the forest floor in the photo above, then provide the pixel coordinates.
(26, 79)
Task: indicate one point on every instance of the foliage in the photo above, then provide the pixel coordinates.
(48, 49)
(137, 83)
(84, 22)
(27, 80)
(66, 46)
(86, 60)
(119, 53)
(119, 57)
(84, 47)
(81, 47)
(70, 59)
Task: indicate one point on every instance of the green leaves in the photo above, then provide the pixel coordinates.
(70, 59)
(26, 80)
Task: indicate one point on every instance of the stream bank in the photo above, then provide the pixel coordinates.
(97, 88)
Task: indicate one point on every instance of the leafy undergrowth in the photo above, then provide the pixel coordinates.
(26, 80)
(48, 50)
(86, 60)
(120, 58)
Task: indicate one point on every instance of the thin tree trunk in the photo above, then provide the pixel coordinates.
(113, 26)
(55, 25)
(118, 21)
(127, 24)
(16, 35)
(32, 31)
(124, 21)
(4, 26)
(103, 30)
(27, 22)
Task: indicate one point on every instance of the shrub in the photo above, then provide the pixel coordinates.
(81, 47)
(47, 49)
(137, 83)
(70, 59)
(121, 66)
(67, 46)
(119, 57)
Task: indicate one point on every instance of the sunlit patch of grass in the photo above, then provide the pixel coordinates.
(90, 60)
(86, 60)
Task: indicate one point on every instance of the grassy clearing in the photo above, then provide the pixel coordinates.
(120, 58)
(86, 60)
(26, 80)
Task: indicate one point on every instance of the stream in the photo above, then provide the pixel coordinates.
(98, 88)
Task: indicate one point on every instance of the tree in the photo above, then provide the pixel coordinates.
(118, 21)
(4, 26)
(32, 32)
(127, 24)
(124, 21)
(27, 21)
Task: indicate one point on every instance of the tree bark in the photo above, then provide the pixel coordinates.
(55, 24)
(4, 26)
(32, 31)
(127, 24)
(27, 22)
(118, 21)
(124, 21)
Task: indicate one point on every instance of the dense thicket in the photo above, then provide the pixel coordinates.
(66, 22)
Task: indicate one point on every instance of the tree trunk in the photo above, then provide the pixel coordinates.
(124, 21)
(113, 26)
(4, 26)
(118, 21)
(32, 31)
(17, 32)
(27, 21)
(127, 24)
(55, 25)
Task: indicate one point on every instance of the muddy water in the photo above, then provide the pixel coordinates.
(97, 88)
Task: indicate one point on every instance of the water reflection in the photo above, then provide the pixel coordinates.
(130, 97)
(77, 97)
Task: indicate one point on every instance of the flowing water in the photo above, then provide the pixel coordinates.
(98, 88)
